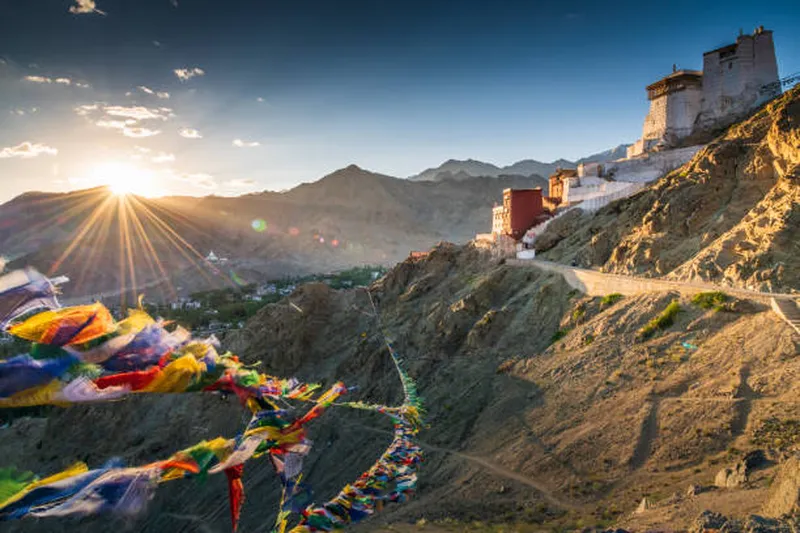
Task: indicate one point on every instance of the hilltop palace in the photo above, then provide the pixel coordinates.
(686, 108)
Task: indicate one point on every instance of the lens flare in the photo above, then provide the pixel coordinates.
(237, 279)
(259, 225)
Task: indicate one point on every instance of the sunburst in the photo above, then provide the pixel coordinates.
(123, 179)
(140, 230)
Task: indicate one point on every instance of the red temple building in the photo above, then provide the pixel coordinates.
(522, 208)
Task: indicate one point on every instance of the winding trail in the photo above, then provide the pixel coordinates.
(547, 493)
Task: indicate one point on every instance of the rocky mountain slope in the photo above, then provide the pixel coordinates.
(546, 409)
(731, 215)
(618, 152)
(454, 168)
(460, 169)
(349, 217)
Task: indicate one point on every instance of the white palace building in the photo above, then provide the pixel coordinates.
(736, 79)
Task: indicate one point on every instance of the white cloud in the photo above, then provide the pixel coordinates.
(240, 183)
(139, 132)
(260, 100)
(128, 120)
(174, 3)
(163, 157)
(185, 74)
(156, 43)
(27, 150)
(147, 90)
(142, 149)
(190, 133)
(245, 144)
(139, 112)
(114, 124)
(61, 81)
(82, 7)
(86, 109)
(38, 79)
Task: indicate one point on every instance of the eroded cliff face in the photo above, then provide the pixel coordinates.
(731, 215)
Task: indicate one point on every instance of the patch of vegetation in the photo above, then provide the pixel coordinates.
(778, 434)
(232, 305)
(578, 313)
(610, 299)
(664, 320)
(558, 335)
(588, 339)
(711, 300)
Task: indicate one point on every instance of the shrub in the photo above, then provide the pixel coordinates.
(710, 300)
(610, 299)
(578, 313)
(664, 320)
(558, 335)
(777, 433)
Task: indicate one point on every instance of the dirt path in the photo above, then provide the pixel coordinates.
(500, 470)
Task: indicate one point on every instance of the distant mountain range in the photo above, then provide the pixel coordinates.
(347, 218)
(455, 169)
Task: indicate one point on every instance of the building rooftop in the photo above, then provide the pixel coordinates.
(678, 75)
(565, 173)
(758, 31)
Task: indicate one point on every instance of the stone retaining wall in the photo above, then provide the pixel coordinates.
(594, 283)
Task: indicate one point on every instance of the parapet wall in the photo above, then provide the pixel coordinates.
(652, 165)
(594, 283)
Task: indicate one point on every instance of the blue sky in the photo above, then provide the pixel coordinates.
(312, 86)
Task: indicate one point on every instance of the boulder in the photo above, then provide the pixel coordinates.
(784, 493)
(758, 524)
(693, 490)
(729, 478)
(737, 475)
(644, 505)
(709, 521)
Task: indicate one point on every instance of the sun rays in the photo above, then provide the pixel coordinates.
(148, 243)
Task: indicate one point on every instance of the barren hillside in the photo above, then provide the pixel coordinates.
(546, 409)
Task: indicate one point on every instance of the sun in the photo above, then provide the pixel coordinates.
(123, 179)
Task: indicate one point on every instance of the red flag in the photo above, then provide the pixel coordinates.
(235, 492)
